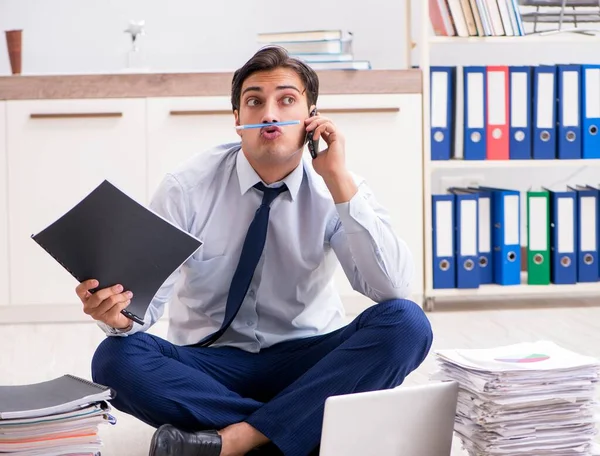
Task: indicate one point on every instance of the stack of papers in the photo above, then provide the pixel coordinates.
(524, 399)
(55, 418)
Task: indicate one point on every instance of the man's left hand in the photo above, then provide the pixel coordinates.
(331, 161)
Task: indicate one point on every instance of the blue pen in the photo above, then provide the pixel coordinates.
(273, 124)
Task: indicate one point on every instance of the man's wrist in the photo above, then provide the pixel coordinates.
(129, 327)
(341, 185)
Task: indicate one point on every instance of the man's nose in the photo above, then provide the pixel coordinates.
(270, 113)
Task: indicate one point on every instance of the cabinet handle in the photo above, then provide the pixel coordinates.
(358, 110)
(203, 112)
(328, 111)
(75, 115)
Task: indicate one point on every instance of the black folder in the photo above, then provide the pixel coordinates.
(110, 237)
(51, 397)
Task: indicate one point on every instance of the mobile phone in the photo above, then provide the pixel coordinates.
(313, 145)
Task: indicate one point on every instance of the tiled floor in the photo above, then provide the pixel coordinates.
(31, 353)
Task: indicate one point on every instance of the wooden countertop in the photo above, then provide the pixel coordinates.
(144, 85)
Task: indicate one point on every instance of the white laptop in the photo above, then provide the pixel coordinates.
(403, 421)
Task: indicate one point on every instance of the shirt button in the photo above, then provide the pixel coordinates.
(251, 293)
(250, 323)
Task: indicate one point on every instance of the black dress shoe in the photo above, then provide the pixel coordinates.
(170, 441)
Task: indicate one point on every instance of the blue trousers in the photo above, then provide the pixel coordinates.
(280, 391)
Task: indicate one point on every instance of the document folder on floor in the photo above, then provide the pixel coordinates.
(57, 417)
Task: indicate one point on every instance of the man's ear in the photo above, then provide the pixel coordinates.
(236, 116)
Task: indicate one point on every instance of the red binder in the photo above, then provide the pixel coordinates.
(497, 127)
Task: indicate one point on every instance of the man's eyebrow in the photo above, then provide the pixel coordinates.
(281, 87)
(284, 87)
(252, 88)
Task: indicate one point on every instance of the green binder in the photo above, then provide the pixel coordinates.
(538, 238)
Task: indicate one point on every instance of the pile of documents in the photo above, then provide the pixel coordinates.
(524, 399)
(55, 418)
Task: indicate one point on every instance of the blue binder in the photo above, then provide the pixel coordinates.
(587, 233)
(563, 237)
(520, 112)
(466, 225)
(486, 266)
(443, 241)
(544, 112)
(569, 122)
(441, 111)
(484, 235)
(475, 87)
(590, 111)
(506, 235)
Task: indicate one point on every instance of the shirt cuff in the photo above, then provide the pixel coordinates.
(356, 214)
(114, 331)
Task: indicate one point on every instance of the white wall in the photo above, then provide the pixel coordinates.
(81, 36)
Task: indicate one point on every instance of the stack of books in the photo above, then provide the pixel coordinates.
(58, 417)
(321, 49)
(523, 399)
(465, 18)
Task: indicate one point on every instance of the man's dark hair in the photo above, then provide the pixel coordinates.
(270, 58)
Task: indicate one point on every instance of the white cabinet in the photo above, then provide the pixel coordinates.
(58, 151)
(383, 145)
(181, 127)
(3, 211)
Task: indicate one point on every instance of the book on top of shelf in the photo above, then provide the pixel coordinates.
(465, 18)
(324, 57)
(302, 35)
(343, 46)
(333, 65)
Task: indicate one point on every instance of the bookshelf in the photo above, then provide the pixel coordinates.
(531, 39)
(489, 164)
(484, 292)
(523, 290)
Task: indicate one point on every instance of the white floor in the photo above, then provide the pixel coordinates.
(31, 353)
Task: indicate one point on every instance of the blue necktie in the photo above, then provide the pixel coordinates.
(251, 252)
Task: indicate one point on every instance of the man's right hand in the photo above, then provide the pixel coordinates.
(105, 305)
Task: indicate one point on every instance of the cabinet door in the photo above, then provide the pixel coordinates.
(181, 127)
(58, 152)
(3, 211)
(383, 145)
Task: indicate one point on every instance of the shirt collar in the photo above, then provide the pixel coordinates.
(248, 177)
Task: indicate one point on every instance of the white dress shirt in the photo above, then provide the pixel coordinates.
(292, 294)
